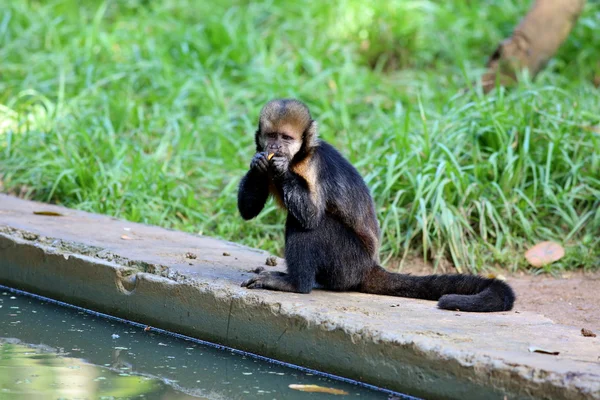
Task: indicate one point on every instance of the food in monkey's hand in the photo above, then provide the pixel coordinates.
(270, 156)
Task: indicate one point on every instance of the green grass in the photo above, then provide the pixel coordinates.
(146, 111)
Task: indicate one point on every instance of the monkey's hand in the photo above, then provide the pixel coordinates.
(260, 163)
(280, 165)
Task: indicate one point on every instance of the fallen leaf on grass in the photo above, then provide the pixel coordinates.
(587, 333)
(125, 237)
(543, 351)
(317, 389)
(544, 253)
(48, 213)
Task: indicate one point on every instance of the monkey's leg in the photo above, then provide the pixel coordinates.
(454, 292)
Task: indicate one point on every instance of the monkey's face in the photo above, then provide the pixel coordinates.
(281, 143)
(283, 126)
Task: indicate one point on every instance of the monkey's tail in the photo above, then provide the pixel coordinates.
(453, 292)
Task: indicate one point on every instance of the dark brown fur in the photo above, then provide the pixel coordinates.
(332, 233)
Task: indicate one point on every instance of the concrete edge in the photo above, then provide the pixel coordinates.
(216, 314)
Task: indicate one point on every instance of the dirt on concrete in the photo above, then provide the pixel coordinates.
(570, 298)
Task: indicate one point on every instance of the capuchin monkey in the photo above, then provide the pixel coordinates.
(331, 232)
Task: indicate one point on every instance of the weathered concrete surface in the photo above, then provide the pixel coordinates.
(402, 344)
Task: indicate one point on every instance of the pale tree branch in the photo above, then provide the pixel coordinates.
(534, 41)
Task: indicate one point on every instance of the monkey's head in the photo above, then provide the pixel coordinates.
(286, 128)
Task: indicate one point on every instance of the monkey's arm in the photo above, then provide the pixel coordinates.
(305, 205)
(254, 188)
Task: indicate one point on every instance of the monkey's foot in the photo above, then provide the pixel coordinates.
(271, 281)
(257, 270)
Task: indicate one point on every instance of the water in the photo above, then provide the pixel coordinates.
(52, 352)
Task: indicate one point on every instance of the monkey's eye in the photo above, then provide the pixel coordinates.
(272, 135)
(286, 137)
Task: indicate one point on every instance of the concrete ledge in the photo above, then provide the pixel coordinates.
(401, 344)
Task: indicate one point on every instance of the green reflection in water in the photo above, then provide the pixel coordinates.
(53, 352)
(32, 372)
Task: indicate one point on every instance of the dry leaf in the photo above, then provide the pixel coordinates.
(48, 213)
(544, 253)
(125, 237)
(543, 351)
(317, 389)
(191, 256)
(587, 333)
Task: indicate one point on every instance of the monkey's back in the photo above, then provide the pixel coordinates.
(346, 195)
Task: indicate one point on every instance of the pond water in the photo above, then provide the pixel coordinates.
(48, 351)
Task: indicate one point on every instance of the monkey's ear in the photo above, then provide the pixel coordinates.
(311, 135)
